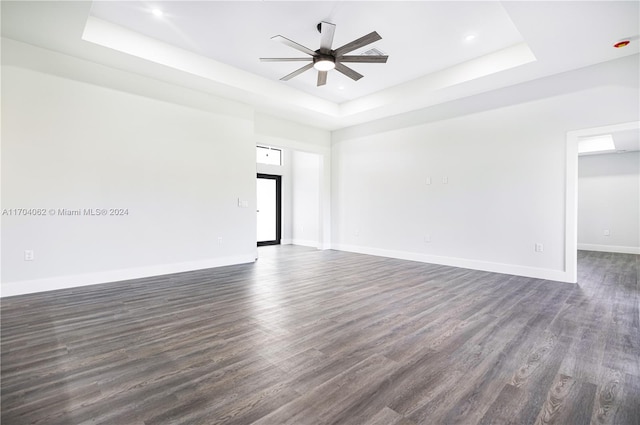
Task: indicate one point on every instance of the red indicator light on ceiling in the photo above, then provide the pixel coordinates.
(621, 44)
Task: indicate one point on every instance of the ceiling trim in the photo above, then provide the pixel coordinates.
(402, 98)
(413, 93)
(564, 43)
(124, 40)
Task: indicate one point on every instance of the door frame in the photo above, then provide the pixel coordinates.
(278, 180)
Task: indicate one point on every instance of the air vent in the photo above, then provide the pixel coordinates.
(373, 52)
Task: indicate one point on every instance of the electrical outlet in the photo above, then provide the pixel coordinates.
(445, 180)
(29, 255)
(427, 238)
(539, 247)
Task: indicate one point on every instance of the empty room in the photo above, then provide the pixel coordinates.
(320, 212)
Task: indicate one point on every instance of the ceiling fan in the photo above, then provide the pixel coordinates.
(324, 59)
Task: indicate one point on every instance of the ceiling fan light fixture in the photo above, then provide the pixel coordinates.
(324, 64)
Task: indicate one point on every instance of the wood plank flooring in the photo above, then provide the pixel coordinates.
(311, 337)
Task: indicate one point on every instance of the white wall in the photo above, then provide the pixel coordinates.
(178, 171)
(77, 134)
(306, 196)
(506, 169)
(180, 159)
(609, 199)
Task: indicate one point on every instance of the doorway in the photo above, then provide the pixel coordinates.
(571, 201)
(269, 209)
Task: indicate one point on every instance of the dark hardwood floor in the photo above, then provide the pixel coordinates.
(323, 337)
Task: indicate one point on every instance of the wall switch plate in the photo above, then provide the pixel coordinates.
(243, 204)
(607, 232)
(445, 180)
(539, 247)
(28, 255)
(428, 181)
(427, 238)
(219, 240)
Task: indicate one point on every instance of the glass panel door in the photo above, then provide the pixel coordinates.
(268, 209)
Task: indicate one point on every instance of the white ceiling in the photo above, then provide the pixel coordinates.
(214, 46)
(419, 37)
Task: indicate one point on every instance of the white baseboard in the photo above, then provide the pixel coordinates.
(512, 269)
(303, 242)
(609, 248)
(8, 289)
(314, 244)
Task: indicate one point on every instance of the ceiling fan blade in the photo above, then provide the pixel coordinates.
(356, 44)
(293, 44)
(348, 71)
(326, 30)
(285, 59)
(322, 78)
(297, 72)
(363, 59)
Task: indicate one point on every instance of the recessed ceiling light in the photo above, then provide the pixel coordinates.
(157, 12)
(594, 144)
(341, 88)
(470, 37)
